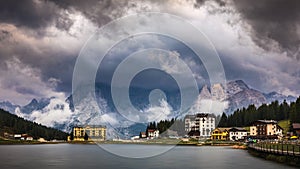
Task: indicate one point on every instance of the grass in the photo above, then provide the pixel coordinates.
(247, 128)
(285, 124)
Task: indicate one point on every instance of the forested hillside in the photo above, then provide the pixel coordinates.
(13, 124)
(273, 111)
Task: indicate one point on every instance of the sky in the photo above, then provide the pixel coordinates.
(257, 41)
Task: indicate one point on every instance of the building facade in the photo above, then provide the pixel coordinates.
(237, 133)
(152, 133)
(89, 132)
(220, 134)
(265, 129)
(229, 133)
(296, 129)
(200, 125)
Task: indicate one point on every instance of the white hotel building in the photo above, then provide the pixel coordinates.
(200, 125)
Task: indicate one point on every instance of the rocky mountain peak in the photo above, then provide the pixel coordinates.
(218, 92)
(205, 93)
(35, 105)
(236, 86)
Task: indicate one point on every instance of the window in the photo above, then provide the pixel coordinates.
(207, 132)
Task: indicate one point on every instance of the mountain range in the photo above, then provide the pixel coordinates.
(61, 113)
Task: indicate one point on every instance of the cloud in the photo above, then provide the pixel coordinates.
(53, 53)
(255, 44)
(99, 11)
(159, 112)
(243, 58)
(209, 105)
(20, 82)
(275, 23)
(57, 112)
(33, 14)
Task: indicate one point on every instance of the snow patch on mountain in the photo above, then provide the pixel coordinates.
(57, 112)
(7, 106)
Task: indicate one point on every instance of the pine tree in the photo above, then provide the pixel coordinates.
(223, 121)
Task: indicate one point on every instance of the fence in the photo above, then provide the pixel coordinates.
(277, 148)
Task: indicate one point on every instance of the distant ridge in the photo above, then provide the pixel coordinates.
(16, 125)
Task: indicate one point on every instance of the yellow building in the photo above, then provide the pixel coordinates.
(220, 134)
(89, 132)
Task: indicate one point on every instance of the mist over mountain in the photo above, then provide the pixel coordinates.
(61, 114)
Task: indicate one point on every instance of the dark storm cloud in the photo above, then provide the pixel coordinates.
(273, 19)
(28, 33)
(33, 14)
(234, 70)
(270, 20)
(60, 69)
(31, 20)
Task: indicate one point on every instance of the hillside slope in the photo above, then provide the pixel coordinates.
(13, 124)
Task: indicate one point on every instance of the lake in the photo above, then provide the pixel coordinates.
(77, 156)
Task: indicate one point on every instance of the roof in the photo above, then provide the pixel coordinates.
(190, 117)
(90, 126)
(265, 122)
(199, 115)
(223, 129)
(237, 129)
(296, 125)
(204, 115)
(279, 127)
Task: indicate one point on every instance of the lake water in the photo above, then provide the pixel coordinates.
(76, 156)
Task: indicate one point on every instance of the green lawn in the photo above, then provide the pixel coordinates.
(247, 128)
(285, 124)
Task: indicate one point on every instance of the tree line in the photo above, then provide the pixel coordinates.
(176, 125)
(16, 125)
(274, 111)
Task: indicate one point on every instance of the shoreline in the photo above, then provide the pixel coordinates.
(18, 142)
(29, 143)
